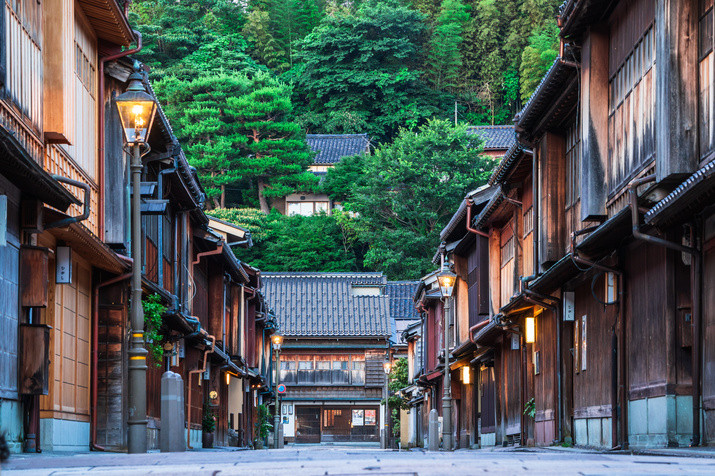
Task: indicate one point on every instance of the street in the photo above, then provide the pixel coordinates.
(344, 461)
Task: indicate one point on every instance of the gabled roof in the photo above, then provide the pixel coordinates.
(400, 294)
(330, 148)
(324, 304)
(495, 137)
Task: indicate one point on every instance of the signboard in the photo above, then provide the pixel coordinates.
(370, 417)
(281, 389)
(358, 417)
(63, 267)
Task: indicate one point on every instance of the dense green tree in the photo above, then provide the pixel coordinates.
(366, 64)
(412, 188)
(538, 57)
(172, 30)
(344, 178)
(265, 47)
(316, 243)
(444, 59)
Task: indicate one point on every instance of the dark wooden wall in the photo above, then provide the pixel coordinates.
(708, 326)
(545, 380)
(592, 387)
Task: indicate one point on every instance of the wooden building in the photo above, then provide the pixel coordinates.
(336, 329)
(600, 233)
(64, 243)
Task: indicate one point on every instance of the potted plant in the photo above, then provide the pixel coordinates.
(263, 426)
(208, 425)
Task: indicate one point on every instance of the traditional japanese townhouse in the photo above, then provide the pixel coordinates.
(50, 111)
(402, 314)
(336, 329)
(615, 126)
(187, 261)
(328, 149)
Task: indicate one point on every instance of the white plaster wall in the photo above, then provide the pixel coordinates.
(64, 435)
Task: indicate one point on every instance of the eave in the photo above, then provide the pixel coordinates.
(690, 197)
(108, 21)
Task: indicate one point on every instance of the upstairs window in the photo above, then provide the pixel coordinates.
(707, 93)
(573, 167)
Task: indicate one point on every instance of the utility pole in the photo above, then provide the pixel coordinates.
(455, 113)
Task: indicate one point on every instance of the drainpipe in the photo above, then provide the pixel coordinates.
(85, 213)
(188, 389)
(95, 355)
(217, 251)
(617, 352)
(542, 300)
(100, 113)
(695, 285)
(470, 202)
(476, 327)
(160, 251)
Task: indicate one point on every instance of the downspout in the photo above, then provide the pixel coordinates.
(85, 213)
(617, 357)
(100, 112)
(160, 251)
(188, 390)
(476, 327)
(95, 355)
(217, 251)
(541, 300)
(695, 285)
(469, 203)
(223, 327)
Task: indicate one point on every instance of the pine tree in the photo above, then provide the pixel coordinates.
(276, 155)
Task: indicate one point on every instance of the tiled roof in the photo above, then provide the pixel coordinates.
(323, 304)
(495, 137)
(330, 148)
(401, 304)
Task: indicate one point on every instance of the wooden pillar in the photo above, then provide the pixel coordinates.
(552, 178)
(676, 102)
(594, 124)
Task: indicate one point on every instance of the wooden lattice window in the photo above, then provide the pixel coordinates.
(573, 165)
(707, 88)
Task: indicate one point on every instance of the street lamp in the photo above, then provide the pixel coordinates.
(277, 340)
(386, 366)
(136, 110)
(446, 279)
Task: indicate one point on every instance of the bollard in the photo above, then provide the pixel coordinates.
(171, 435)
(433, 430)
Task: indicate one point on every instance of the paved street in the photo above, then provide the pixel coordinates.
(345, 461)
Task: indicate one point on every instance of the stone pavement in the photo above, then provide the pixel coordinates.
(349, 461)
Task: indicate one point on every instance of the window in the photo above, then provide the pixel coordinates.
(322, 367)
(705, 58)
(357, 376)
(528, 221)
(631, 142)
(507, 265)
(573, 166)
(305, 371)
(307, 208)
(288, 374)
(341, 374)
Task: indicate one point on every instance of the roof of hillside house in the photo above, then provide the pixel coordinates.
(495, 137)
(401, 304)
(328, 304)
(330, 148)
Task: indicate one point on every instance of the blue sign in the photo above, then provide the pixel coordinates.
(281, 389)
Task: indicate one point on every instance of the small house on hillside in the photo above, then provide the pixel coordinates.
(497, 139)
(329, 150)
(336, 328)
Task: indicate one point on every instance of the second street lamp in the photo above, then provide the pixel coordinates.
(384, 437)
(277, 340)
(136, 110)
(446, 279)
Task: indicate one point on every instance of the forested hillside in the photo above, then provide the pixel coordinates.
(243, 81)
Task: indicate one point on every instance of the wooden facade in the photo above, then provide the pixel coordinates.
(601, 231)
(58, 121)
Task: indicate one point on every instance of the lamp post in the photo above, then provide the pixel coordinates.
(136, 111)
(446, 279)
(383, 431)
(277, 340)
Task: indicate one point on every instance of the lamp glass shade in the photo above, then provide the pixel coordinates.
(277, 340)
(446, 279)
(136, 111)
(386, 366)
(465, 375)
(530, 330)
(228, 378)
